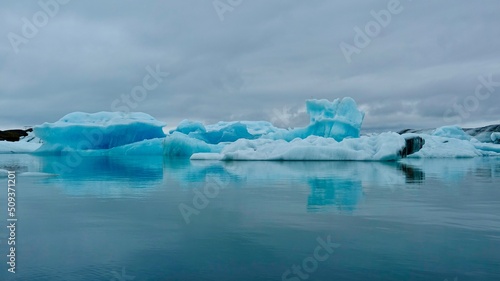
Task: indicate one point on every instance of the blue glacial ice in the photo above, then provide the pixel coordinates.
(453, 132)
(332, 134)
(339, 119)
(102, 130)
(220, 132)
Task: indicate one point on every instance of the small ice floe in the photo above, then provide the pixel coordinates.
(37, 174)
(3, 173)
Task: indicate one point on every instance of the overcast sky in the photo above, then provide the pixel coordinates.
(253, 59)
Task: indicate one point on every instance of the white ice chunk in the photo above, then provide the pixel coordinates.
(18, 147)
(454, 132)
(495, 137)
(383, 147)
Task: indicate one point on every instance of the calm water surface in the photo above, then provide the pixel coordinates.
(152, 218)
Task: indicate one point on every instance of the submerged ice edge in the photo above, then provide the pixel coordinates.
(332, 134)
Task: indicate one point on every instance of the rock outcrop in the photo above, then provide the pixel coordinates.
(13, 135)
(413, 144)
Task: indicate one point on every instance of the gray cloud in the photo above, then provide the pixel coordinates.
(263, 60)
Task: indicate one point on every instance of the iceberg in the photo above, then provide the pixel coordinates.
(384, 147)
(333, 133)
(453, 132)
(330, 123)
(221, 132)
(102, 130)
(486, 134)
(453, 142)
(179, 145)
(339, 120)
(444, 147)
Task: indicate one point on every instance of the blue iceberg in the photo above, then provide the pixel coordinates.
(222, 132)
(333, 133)
(102, 130)
(339, 119)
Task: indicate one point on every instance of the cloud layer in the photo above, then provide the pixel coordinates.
(253, 60)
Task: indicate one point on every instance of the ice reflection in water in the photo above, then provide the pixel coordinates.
(413, 219)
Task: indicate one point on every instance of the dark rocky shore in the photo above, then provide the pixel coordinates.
(14, 135)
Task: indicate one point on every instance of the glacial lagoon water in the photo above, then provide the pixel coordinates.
(120, 218)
